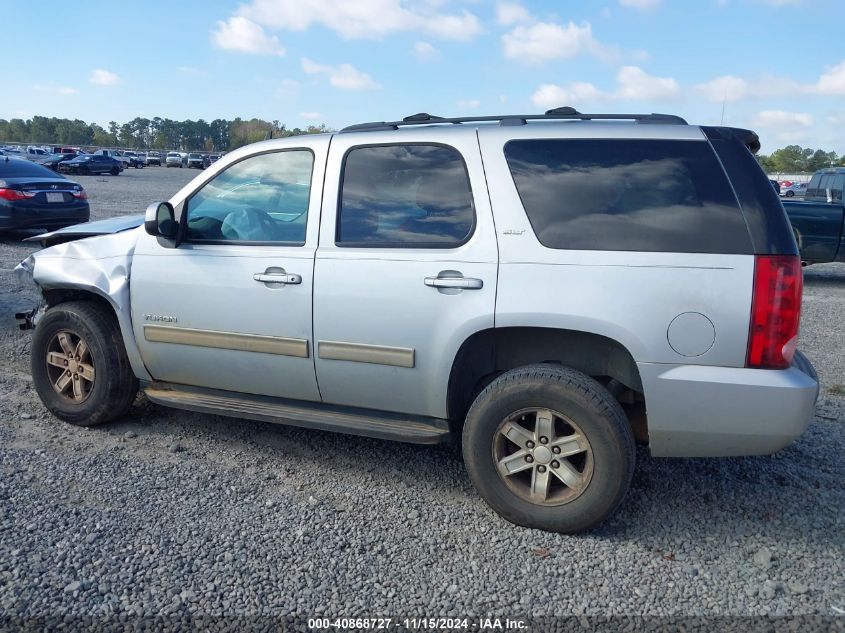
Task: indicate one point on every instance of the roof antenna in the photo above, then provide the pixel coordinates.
(724, 99)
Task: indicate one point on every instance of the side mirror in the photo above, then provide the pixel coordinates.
(160, 221)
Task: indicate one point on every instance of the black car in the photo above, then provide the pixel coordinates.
(54, 159)
(91, 164)
(32, 196)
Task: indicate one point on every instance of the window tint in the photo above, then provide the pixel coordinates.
(405, 196)
(263, 198)
(628, 195)
(836, 186)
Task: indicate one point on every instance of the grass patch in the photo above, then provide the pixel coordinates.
(836, 390)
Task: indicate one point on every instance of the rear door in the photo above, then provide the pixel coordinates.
(406, 267)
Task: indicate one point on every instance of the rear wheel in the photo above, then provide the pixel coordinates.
(550, 448)
(79, 364)
(790, 194)
(84, 170)
(115, 171)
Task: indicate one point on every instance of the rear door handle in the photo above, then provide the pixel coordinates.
(463, 283)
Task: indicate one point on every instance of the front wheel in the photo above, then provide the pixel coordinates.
(790, 194)
(79, 365)
(115, 171)
(550, 448)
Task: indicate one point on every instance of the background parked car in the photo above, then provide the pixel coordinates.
(32, 196)
(795, 189)
(115, 154)
(134, 159)
(197, 160)
(91, 164)
(175, 159)
(213, 158)
(36, 153)
(154, 158)
(53, 160)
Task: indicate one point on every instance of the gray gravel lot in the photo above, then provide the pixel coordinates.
(167, 512)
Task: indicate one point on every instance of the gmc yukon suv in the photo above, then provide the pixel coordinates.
(542, 289)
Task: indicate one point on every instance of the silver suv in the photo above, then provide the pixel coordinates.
(544, 289)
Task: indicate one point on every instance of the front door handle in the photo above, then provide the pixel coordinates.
(462, 283)
(275, 275)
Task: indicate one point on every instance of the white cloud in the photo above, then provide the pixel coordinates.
(640, 5)
(344, 76)
(245, 36)
(508, 13)
(543, 41)
(425, 52)
(468, 104)
(287, 88)
(190, 70)
(362, 19)
(782, 118)
(311, 116)
(727, 88)
(635, 83)
(832, 82)
(550, 96)
(103, 77)
(61, 90)
(632, 83)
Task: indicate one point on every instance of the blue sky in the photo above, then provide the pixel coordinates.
(777, 66)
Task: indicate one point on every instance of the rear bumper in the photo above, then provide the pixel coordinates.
(701, 411)
(42, 217)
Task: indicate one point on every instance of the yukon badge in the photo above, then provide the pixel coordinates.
(159, 318)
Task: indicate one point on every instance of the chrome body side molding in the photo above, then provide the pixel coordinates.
(227, 340)
(362, 353)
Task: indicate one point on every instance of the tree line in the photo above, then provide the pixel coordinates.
(794, 159)
(141, 133)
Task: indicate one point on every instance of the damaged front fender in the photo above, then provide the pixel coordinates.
(98, 265)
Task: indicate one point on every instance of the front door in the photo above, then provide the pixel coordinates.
(405, 271)
(230, 307)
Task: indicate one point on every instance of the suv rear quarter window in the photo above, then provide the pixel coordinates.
(627, 195)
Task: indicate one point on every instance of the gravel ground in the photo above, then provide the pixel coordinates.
(179, 514)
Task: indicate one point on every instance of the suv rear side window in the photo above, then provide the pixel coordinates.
(627, 195)
(411, 196)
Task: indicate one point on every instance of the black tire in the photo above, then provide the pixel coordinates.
(789, 194)
(587, 404)
(114, 386)
(84, 171)
(115, 171)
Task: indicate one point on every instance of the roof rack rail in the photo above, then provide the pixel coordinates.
(555, 114)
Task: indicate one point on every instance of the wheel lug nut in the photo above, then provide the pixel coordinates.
(529, 459)
(555, 464)
(68, 373)
(542, 469)
(544, 440)
(529, 444)
(555, 449)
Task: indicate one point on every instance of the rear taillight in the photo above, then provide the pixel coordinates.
(80, 195)
(775, 311)
(15, 194)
